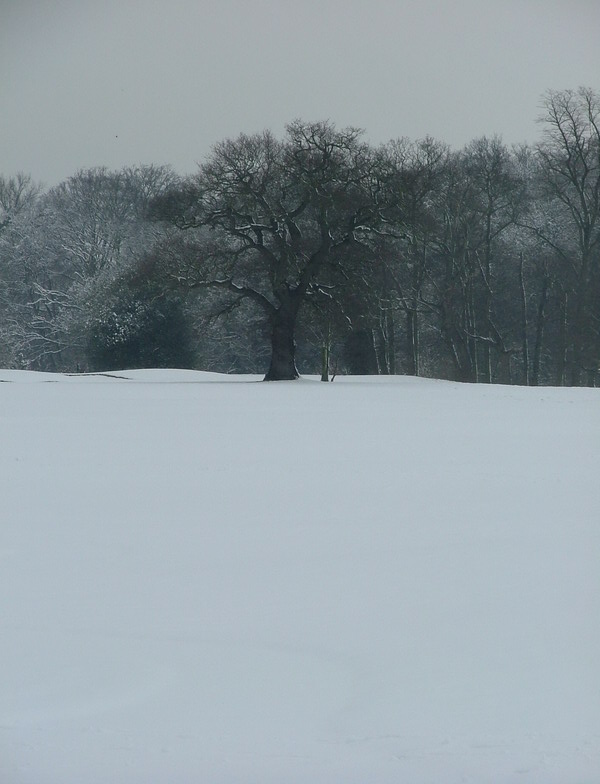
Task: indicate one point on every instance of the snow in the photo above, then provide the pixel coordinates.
(209, 579)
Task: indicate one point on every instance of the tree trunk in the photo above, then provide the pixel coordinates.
(391, 341)
(487, 300)
(562, 342)
(539, 334)
(326, 352)
(412, 339)
(378, 340)
(283, 344)
(524, 322)
(576, 362)
(325, 362)
(471, 341)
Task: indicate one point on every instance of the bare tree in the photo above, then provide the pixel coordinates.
(281, 213)
(497, 194)
(570, 170)
(16, 195)
(414, 173)
(66, 251)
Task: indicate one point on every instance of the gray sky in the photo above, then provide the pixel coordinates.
(114, 82)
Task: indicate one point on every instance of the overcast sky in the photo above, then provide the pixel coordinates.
(114, 82)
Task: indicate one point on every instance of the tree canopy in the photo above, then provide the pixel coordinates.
(322, 253)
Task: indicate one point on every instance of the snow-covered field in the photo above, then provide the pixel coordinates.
(208, 580)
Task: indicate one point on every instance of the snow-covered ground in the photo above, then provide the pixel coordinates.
(367, 582)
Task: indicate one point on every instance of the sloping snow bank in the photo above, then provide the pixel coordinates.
(375, 580)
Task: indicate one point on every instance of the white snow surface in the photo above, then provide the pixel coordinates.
(209, 579)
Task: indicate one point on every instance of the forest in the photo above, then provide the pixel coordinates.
(319, 253)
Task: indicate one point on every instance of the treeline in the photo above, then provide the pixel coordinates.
(319, 252)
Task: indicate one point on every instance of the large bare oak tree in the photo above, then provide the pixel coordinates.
(274, 215)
